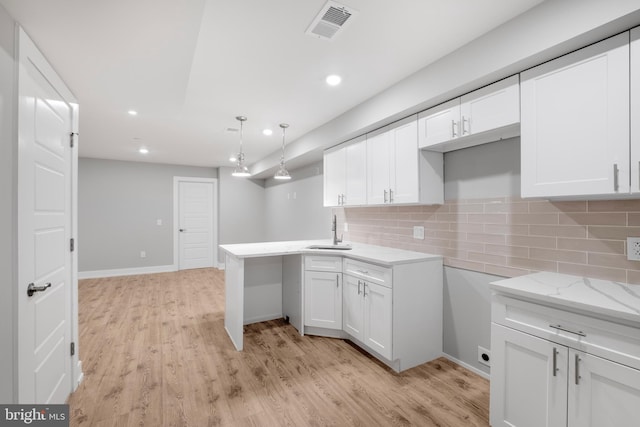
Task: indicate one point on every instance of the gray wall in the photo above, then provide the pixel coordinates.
(294, 210)
(118, 205)
(8, 170)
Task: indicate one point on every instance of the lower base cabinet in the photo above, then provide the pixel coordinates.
(547, 382)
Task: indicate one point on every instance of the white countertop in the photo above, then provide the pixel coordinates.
(592, 296)
(370, 253)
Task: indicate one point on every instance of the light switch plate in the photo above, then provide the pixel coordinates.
(633, 248)
(418, 232)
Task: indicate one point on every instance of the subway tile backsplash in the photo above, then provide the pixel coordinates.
(510, 236)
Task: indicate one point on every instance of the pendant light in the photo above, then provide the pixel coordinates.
(241, 169)
(282, 173)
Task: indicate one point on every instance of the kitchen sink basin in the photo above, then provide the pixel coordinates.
(334, 247)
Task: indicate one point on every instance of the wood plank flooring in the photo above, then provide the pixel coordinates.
(155, 353)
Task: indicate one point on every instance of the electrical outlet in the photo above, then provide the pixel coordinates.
(143, 254)
(418, 232)
(633, 248)
(346, 227)
(484, 356)
(158, 222)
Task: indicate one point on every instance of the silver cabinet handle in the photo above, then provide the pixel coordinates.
(562, 328)
(338, 200)
(577, 362)
(464, 129)
(615, 177)
(363, 271)
(364, 289)
(32, 289)
(359, 283)
(555, 361)
(337, 280)
(343, 199)
(390, 196)
(453, 129)
(182, 230)
(385, 196)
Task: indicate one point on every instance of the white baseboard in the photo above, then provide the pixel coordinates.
(467, 366)
(126, 271)
(220, 266)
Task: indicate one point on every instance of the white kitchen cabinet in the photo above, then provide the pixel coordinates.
(485, 115)
(345, 178)
(635, 110)
(575, 123)
(399, 173)
(353, 307)
(323, 292)
(556, 368)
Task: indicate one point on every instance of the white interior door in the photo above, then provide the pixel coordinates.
(44, 230)
(196, 240)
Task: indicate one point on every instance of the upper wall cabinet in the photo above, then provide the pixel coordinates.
(345, 175)
(485, 115)
(397, 171)
(635, 110)
(575, 123)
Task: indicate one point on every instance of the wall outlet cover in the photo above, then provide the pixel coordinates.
(633, 248)
(484, 356)
(418, 232)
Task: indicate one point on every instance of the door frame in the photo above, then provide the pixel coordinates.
(176, 211)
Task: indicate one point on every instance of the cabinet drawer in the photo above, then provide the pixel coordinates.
(323, 263)
(607, 339)
(371, 272)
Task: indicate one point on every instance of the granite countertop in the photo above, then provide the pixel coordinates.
(590, 296)
(369, 253)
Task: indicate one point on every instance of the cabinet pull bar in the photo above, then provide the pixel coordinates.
(561, 328)
(364, 289)
(337, 280)
(385, 196)
(363, 271)
(390, 196)
(464, 128)
(359, 283)
(453, 129)
(615, 177)
(555, 361)
(577, 362)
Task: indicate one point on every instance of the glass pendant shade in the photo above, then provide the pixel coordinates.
(241, 169)
(282, 172)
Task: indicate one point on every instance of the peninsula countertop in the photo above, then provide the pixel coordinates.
(607, 298)
(360, 251)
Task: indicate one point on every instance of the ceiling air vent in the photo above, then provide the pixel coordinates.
(332, 18)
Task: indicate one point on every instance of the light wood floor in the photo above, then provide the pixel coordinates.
(155, 353)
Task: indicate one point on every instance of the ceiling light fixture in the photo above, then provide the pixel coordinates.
(282, 173)
(333, 80)
(241, 169)
(233, 159)
(132, 112)
(143, 150)
(267, 132)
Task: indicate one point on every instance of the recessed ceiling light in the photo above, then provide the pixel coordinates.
(132, 112)
(333, 80)
(267, 132)
(143, 150)
(233, 159)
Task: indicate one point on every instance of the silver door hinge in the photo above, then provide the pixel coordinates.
(73, 348)
(71, 135)
(72, 245)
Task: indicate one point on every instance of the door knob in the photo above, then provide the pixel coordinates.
(32, 289)
(182, 230)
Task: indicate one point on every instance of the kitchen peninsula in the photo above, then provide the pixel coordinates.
(391, 299)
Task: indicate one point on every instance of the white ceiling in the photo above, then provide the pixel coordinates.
(190, 67)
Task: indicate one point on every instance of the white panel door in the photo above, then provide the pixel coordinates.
(635, 110)
(353, 307)
(575, 123)
(195, 224)
(517, 359)
(439, 124)
(601, 392)
(356, 174)
(377, 318)
(378, 168)
(404, 182)
(323, 299)
(44, 230)
(491, 107)
(334, 177)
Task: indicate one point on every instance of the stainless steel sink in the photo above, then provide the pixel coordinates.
(334, 247)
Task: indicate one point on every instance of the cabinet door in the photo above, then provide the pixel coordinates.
(491, 107)
(439, 124)
(378, 168)
(404, 178)
(323, 299)
(334, 177)
(526, 390)
(353, 307)
(601, 392)
(356, 174)
(377, 318)
(575, 123)
(635, 110)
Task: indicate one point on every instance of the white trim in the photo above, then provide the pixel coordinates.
(126, 271)
(220, 266)
(467, 366)
(176, 225)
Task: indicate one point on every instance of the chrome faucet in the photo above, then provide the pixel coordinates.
(334, 228)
